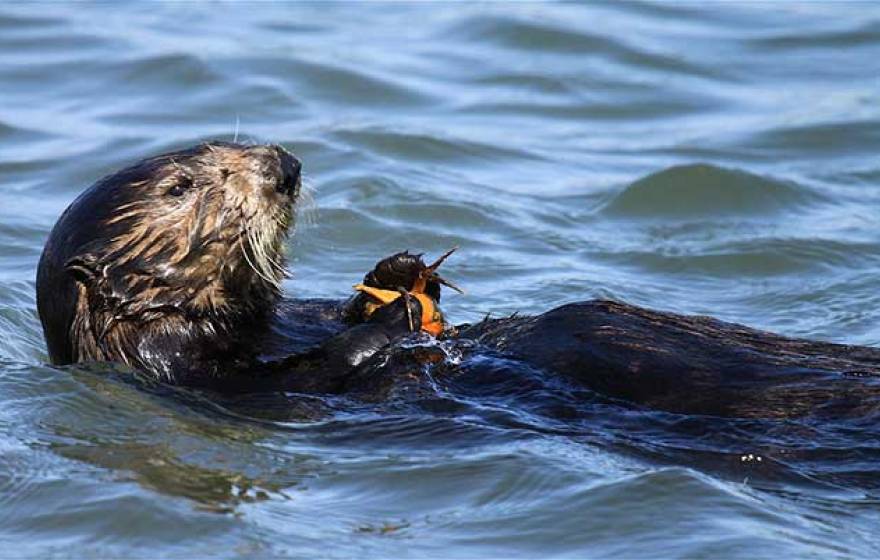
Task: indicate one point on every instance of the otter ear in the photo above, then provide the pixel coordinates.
(83, 268)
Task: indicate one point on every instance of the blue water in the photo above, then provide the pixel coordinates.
(719, 160)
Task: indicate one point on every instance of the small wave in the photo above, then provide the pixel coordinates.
(618, 108)
(13, 134)
(554, 38)
(56, 44)
(429, 148)
(820, 139)
(706, 190)
(331, 83)
(861, 36)
(754, 258)
(10, 22)
(173, 71)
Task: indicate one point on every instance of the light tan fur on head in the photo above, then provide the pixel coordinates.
(190, 242)
(216, 242)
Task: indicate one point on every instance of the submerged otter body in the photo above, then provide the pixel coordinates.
(173, 266)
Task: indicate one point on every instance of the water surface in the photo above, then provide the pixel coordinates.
(719, 160)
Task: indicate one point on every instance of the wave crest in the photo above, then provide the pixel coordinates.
(703, 189)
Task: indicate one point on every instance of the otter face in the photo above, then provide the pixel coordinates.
(205, 226)
(192, 238)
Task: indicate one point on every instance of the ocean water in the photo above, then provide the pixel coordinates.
(720, 159)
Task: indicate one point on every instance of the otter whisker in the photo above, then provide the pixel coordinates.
(258, 264)
(280, 269)
(253, 267)
(306, 207)
(270, 253)
(270, 242)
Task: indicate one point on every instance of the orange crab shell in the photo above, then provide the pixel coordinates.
(431, 319)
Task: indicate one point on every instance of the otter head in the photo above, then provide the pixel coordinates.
(176, 254)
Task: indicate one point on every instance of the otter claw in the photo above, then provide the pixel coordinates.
(409, 317)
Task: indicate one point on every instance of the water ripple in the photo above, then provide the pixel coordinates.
(706, 160)
(705, 190)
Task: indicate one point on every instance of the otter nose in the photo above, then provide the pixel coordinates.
(291, 169)
(280, 167)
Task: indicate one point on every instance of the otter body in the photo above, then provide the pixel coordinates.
(690, 364)
(173, 266)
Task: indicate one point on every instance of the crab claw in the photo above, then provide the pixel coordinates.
(429, 274)
(436, 264)
(434, 277)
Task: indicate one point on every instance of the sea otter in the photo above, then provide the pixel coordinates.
(173, 266)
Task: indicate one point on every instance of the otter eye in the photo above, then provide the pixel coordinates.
(181, 187)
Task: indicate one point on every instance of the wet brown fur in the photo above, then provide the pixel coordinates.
(159, 263)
